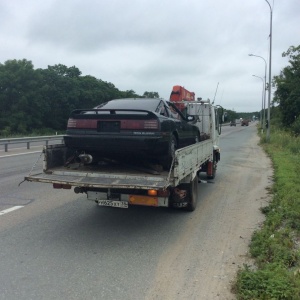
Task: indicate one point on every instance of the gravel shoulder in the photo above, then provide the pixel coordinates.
(202, 263)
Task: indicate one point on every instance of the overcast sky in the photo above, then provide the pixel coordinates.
(152, 45)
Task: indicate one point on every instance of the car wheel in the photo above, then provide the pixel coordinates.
(171, 153)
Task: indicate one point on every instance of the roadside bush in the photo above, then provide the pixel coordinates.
(296, 127)
(276, 246)
(272, 282)
(5, 132)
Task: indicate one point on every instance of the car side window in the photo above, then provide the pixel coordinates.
(174, 114)
(162, 110)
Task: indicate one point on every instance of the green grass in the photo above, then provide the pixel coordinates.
(276, 246)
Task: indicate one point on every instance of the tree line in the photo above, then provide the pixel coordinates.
(287, 94)
(40, 100)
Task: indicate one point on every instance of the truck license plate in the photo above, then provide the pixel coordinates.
(113, 203)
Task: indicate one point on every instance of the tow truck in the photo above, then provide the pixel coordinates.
(122, 185)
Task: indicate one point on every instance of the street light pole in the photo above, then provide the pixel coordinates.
(262, 100)
(265, 91)
(270, 64)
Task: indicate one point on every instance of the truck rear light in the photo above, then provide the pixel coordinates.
(66, 186)
(139, 124)
(152, 192)
(163, 193)
(159, 193)
(61, 186)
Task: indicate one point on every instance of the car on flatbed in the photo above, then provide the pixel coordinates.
(131, 129)
(123, 183)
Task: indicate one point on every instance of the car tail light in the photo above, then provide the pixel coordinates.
(151, 124)
(124, 124)
(139, 124)
(82, 123)
(71, 123)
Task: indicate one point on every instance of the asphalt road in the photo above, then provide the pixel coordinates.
(55, 244)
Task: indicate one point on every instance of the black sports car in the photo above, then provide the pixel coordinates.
(131, 129)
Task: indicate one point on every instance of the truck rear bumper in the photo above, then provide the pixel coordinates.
(123, 200)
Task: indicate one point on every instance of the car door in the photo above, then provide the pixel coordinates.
(186, 131)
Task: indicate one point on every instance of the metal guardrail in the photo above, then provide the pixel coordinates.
(28, 140)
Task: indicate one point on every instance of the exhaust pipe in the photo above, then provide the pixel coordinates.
(85, 158)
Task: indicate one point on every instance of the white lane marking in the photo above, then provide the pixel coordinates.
(5, 211)
(10, 155)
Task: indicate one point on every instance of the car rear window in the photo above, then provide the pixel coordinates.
(145, 104)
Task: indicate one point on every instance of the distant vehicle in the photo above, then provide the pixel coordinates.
(233, 123)
(245, 122)
(149, 128)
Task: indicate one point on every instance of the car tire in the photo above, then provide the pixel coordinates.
(172, 146)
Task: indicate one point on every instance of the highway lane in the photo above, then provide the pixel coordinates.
(61, 246)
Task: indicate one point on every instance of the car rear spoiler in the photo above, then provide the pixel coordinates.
(78, 113)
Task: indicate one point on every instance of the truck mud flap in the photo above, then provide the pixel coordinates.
(179, 198)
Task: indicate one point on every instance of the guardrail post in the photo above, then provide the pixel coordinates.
(28, 145)
(47, 142)
(6, 147)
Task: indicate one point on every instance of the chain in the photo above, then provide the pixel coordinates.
(169, 175)
(34, 165)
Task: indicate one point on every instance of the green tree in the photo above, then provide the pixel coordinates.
(151, 95)
(60, 92)
(287, 94)
(19, 97)
(230, 115)
(43, 99)
(130, 94)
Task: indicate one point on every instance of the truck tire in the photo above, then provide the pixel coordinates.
(192, 191)
(167, 162)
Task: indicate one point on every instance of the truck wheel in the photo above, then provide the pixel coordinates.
(171, 153)
(192, 195)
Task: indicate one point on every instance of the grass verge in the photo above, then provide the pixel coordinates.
(276, 246)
